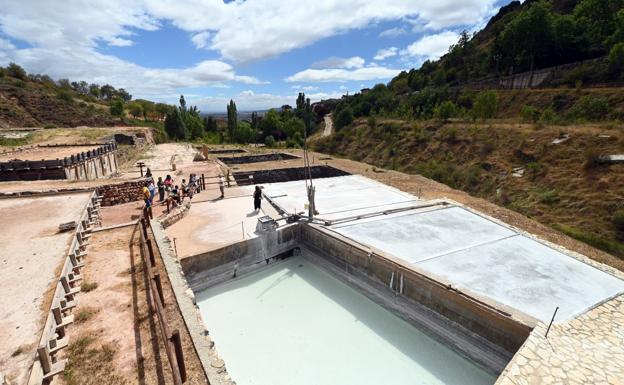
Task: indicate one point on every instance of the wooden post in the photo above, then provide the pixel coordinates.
(203, 182)
(177, 343)
(150, 251)
(44, 359)
(159, 288)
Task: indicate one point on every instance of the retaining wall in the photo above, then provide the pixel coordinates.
(92, 164)
(119, 193)
(487, 322)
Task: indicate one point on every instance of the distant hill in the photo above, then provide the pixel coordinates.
(529, 36)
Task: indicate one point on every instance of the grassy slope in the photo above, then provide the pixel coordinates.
(557, 189)
(32, 104)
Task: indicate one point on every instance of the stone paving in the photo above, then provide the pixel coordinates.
(586, 350)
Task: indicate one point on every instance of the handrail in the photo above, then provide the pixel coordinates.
(172, 340)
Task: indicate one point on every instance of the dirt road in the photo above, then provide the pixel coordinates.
(329, 125)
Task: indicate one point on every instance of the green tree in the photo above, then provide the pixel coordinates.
(124, 95)
(269, 141)
(117, 107)
(162, 110)
(210, 124)
(94, 90)
(344, 118)
(485, 105)
(107, 91)
(528, 37)
(232, 119)
(616, 61)
(445, 110)
(16, 71)
(135, 109)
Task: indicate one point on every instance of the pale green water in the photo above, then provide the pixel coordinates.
(294, 324)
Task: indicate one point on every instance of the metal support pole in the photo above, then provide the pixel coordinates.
(551, 322)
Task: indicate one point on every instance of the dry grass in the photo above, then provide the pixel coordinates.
(88, 286)
(91, 363)
(84, 314)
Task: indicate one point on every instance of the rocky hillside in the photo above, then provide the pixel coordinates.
(35, 101)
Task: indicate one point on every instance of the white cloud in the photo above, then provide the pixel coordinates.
(385, 53)
(339, 62)
(393, 32)
(252, 30)
(201, 39)
(304, 88)
(342, 75)
(431, 46)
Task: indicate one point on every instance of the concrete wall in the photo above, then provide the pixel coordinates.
(491, 324)
(211, 268)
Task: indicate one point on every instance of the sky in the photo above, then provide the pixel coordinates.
(260, 53)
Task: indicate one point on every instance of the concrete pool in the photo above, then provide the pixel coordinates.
(293, 323)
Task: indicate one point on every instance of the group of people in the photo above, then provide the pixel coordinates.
(175, 194)
(168, 191)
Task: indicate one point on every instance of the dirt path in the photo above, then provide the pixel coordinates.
(329, 125)
(31, 255)
(116, 338)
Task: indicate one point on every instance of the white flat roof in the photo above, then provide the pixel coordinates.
(339, 197)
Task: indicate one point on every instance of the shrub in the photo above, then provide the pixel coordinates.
(616, 60)
(485, 105)
(117, 107)
(269, 141)
(590, 108)
(344, 118)
(445, 110)
(530, 114)
(64, 95)
(548, 116)
(16, 71)
(548, 197)
(372, 122)
(88, 286)
(2, 72)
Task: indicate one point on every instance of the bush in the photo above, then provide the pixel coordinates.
(445, 110)
(548, 116)
(372, 122)
(117, 107)
(485, 105)
(64, 95)
(2, 72)
(590, 108)
(269, 141)
(616, 61)
(344, 118)
(530, 114)
(16, 71)
(548, 197)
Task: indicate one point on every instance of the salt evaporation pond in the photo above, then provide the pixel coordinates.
(292, 323)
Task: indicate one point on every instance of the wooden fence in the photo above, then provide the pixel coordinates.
(171, 338)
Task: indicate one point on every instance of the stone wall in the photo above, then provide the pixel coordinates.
(115, 194)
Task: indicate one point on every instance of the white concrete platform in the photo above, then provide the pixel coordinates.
(339, 197)
(492, 261)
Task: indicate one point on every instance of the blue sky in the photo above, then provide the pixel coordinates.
(258, 52)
